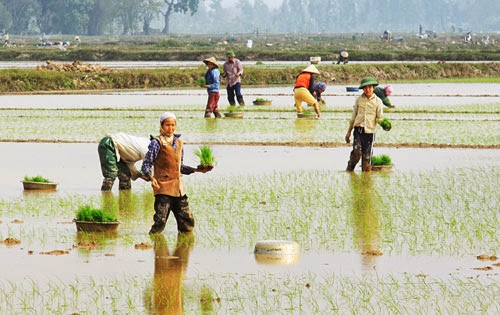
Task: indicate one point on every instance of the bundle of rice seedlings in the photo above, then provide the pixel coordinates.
(382, 159)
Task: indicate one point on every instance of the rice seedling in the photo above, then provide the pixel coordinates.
(89, 214)
(37, 179)
(205, 154)
(385, 124)
(382, 159)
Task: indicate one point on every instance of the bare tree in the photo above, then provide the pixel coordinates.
(182, 6)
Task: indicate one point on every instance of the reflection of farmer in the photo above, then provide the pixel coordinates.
(233, 69)
(343, 57)
(118, 154)
(169, 273)
(304, 83)
(383, 94)
(316, 91)
(365, 216)
(366, 114)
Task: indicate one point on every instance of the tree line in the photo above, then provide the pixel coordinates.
(146, 17)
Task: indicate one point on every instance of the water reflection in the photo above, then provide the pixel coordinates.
(165, 295)
(305, 128)
(87, 242)
(365, 218)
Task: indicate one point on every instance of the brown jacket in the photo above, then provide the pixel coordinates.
(167, 169)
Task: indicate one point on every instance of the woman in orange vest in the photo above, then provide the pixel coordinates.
(301, 91)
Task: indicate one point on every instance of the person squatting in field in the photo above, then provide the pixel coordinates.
(367, 113)
(165, 154)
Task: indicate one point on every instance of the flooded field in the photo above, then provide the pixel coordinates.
(419, 239)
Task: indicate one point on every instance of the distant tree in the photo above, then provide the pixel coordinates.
(21, 13)
(182, 6)
(128, 12)
(101, 16)
(5, 18)
(149, 11)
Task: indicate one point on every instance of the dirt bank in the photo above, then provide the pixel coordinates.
(89, 77)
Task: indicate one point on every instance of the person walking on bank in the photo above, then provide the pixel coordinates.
(383, 94)
(232, 71)
(304, 83)
(118, 154)
(165, 154)
(367, 113)
(212, 83)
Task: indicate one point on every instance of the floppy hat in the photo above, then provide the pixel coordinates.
(368, 81)
(311, 69)
(344, 54)
(230, 54)
(322, 85)
(211, 60)
(166, 115)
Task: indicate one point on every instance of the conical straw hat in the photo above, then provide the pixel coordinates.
(211, 60)
(311, 69)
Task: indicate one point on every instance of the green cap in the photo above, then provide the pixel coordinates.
(368, 81)
(230, 54)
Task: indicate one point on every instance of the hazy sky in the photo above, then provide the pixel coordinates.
(270, 3)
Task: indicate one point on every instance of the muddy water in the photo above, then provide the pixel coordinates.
(76, 168)
(404, 95)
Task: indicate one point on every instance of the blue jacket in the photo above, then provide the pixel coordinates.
(212, 78)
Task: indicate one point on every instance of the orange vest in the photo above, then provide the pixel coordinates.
(303, 80)
(167, 169)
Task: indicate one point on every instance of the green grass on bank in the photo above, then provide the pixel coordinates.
(33, 80)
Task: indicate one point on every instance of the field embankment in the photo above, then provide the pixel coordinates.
(79, 77)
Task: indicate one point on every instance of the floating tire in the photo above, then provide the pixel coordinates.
(277, 252)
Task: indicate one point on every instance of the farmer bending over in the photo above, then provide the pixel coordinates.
(118, 154)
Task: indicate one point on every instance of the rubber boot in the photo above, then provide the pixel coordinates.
(208, 114)
(241, 102)
(217, 114)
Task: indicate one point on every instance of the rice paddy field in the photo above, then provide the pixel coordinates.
(421, 238)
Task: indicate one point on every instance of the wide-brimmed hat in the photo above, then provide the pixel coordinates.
(230, 54)
(311, 69)
(344, 54)
(368, 81)
(211, 60)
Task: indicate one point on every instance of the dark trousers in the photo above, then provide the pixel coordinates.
(362, 147)
(179, 206)
(110, 167)
(232, 91)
